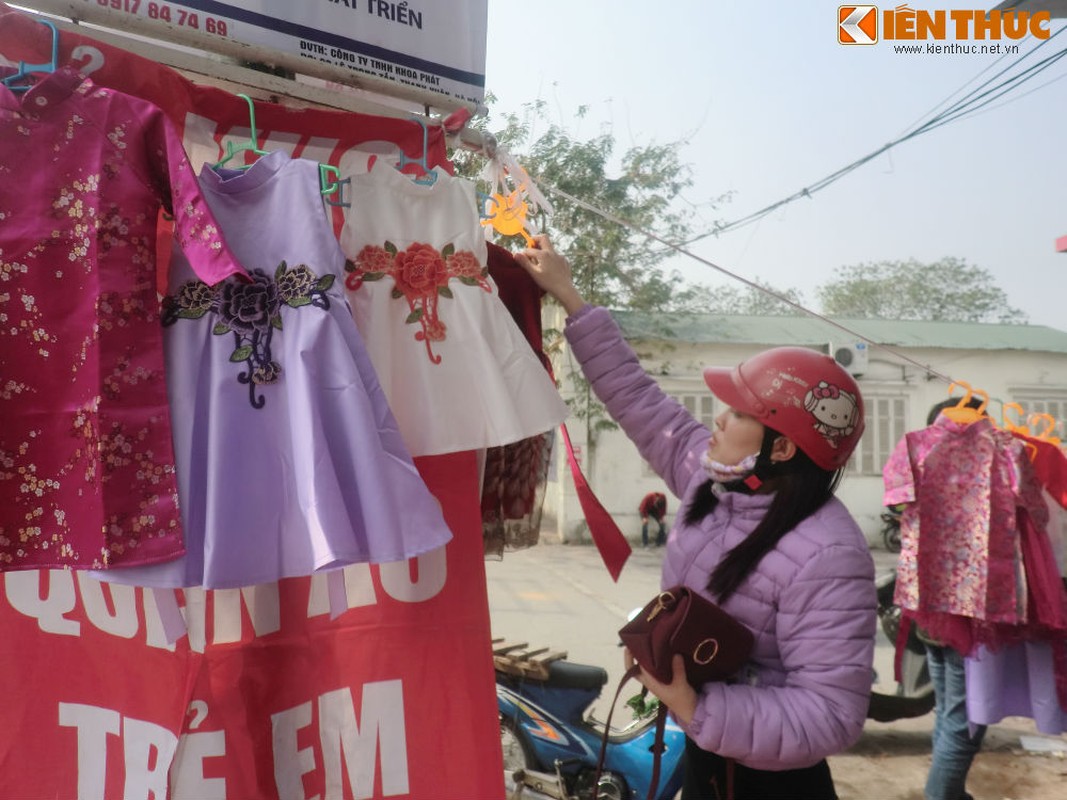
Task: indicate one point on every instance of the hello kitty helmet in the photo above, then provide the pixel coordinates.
(802, 394)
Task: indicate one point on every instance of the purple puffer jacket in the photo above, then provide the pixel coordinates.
(810, 602)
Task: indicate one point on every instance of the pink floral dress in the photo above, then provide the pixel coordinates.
(973, 506)
(87, 474)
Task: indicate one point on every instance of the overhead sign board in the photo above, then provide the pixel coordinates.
(424, 47)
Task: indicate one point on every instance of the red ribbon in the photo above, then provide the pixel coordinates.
(609, 540)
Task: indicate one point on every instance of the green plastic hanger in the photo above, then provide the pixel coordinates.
(251, 145)
(330, 183)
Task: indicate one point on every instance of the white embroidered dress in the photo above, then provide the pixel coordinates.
(457, 371)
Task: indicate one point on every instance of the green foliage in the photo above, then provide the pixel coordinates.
(701, 299)
(642, 190)
(614, 265)
(643, 706)
(949, 290)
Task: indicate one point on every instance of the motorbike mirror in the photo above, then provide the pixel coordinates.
(631, 617)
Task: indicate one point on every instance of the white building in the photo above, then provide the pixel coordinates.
(901, 377)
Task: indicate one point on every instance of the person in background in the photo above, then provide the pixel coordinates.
(759, 532)
(653, 506)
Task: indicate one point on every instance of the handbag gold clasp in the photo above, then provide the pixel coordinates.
(713, 644)
(661, 605)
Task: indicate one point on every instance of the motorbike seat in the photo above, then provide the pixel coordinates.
(569, 675)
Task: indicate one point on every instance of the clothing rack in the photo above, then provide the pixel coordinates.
(363, 95)
(389, 676)
(177, 36)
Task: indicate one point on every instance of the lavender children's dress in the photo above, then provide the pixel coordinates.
(289, 459)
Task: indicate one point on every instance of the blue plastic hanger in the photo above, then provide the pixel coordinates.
(25, 71)
(428, 177)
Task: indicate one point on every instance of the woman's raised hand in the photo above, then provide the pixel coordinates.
(552, 272)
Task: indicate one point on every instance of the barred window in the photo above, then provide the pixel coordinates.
(886, 422)
(701, 406)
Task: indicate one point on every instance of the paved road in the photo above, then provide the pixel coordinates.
(561, 596)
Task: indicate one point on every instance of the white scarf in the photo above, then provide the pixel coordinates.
(726, 473)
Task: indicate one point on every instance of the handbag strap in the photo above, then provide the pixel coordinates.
(657, 744)
(630, 673)
(657, 750)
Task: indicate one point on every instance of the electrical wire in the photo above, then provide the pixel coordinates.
(1000, 90)
(926, 369)
(972, 102)
(969, 104)
(681, 250)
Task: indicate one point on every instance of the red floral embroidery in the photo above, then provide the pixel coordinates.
(463, 264)
(421, 274)
(419, 271)
(372, 263)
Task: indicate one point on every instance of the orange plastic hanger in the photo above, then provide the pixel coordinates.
(1017, 426)
(508, 214)
(1022, 431)
(961, 412)
(1045, 434)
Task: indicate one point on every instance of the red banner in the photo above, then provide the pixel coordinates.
(266, 696)
(209, 116)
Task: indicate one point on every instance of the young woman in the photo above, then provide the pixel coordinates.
(760, 533)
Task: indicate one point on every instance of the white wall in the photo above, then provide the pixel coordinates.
(618, 476)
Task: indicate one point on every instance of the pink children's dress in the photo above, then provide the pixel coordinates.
(457, 370)
(87, 476)
(976, 565)
(959, 538)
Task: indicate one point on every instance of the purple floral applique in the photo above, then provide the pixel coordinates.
(252, 313)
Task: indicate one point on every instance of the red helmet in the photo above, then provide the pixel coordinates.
(802, 394)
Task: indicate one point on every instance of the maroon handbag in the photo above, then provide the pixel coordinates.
(713, 644)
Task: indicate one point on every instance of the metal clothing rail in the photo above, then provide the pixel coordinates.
(346, 90)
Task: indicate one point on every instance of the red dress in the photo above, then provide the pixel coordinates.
(86, 463)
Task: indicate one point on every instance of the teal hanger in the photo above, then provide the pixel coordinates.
(25, 71)
(483, 203)
(428, 177)
(333, 185)
(252, 145)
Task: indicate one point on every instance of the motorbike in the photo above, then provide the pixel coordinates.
(891, 527)
(914, 695)
(552, 744)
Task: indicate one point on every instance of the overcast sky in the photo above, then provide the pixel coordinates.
(770, 103)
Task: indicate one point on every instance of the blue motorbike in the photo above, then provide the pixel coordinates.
(552, 745)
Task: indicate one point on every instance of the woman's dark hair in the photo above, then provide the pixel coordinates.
(952, 402)
(800, 486)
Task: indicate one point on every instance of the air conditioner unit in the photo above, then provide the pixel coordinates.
(854, 356)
